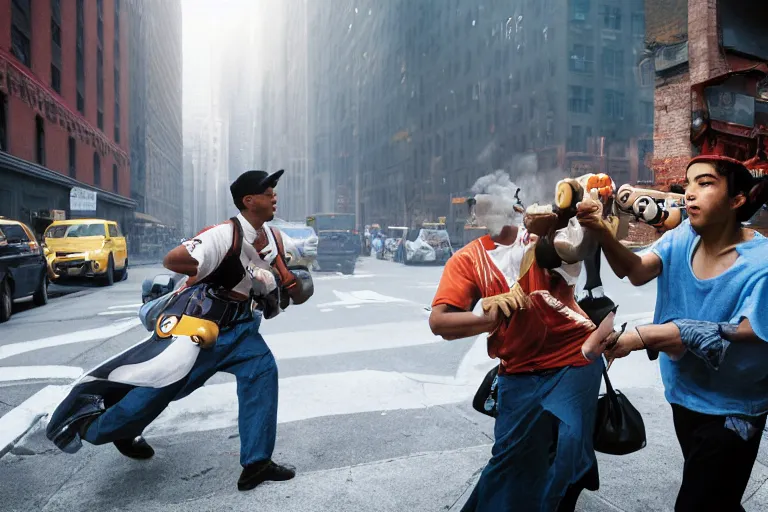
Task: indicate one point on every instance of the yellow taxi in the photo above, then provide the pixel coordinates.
(88, 248)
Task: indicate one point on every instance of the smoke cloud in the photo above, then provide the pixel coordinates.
(495, 192)
(495, 195)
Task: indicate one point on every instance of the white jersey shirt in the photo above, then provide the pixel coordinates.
(210, 247)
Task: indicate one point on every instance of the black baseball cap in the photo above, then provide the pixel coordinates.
(254, 182)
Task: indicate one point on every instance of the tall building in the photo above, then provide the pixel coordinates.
(411, 102)
(64, 82)
(156, 99)
(711, 64)
(284, 113)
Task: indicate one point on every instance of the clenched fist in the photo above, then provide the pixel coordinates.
(507, 303)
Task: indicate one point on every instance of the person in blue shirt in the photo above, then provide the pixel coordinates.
(711, 325)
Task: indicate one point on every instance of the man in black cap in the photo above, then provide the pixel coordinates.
(229, 257)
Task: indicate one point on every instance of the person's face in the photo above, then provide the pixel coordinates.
(262, 205)
(706, 197)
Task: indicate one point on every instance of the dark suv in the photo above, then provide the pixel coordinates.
(23, 269)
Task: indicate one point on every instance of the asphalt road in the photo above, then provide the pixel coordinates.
(374, 410)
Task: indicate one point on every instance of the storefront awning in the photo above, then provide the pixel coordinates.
(144, 217)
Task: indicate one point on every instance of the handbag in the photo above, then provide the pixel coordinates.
(619, 427)
(486, 397)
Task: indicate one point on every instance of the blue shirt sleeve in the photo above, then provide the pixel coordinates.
(754, 309)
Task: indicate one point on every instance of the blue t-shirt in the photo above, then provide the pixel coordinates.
(740, 386)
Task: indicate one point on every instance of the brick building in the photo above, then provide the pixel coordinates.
(63, 108)
(711, 81)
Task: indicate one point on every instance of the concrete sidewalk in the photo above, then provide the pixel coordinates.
(648, 480)
(430, 481)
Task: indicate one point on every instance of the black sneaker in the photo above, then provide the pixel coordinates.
(254, 474)
(137, 448)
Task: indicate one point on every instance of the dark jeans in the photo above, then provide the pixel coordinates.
(718, 462)
(241, 352)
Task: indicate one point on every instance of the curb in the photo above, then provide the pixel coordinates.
(32, 426)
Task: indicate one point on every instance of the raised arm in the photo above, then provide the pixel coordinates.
(624, 262)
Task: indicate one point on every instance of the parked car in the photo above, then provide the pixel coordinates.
(22, 267)
(339, 244)
(304, 243)
(428, 246)
(89, 248)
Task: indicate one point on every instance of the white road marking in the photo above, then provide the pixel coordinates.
(353, 307)
(119, 313)
(360, 297)
(326, 310)
(339, 276)
(12, 373)
(347, 340)
(96, 334)
(126, 306)
(17, 421)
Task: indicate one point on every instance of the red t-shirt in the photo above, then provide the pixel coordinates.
(547, 335)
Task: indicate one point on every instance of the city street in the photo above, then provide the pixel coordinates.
(374, 411)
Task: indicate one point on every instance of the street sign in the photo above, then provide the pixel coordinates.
(82, 200)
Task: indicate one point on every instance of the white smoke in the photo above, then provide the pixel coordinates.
(495, 208)
(495, 192)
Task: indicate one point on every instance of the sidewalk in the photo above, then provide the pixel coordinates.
(648, 480)
(431, 481)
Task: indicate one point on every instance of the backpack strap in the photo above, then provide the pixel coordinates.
(237, 236)
(286, 277)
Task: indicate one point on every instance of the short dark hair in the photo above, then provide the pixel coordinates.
(239, 204)
(741, 182)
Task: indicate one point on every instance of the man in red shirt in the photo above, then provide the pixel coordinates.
(547, 388)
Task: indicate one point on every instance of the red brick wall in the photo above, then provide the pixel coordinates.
(672, 121)
(666, 21)
(21, 133)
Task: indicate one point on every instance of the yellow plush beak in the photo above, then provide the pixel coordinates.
(564, 195)
(202, 332)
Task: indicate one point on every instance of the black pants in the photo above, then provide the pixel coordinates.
(718, 462)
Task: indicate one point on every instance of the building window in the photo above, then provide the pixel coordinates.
(582, 58)
(115, 179)
(577, 141)
(579, 10)
(21, 31)
(611, 17)
(638, 24)
(646, 73)
(581, 100)
(3, 122)
(72, 157)
(56, 45)
(646, 112)
(96, 169)
(100, 88)
(116, 60)
(55, 79)
(40, 140)
(613, 63)
(80, 54)
(613, 104)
